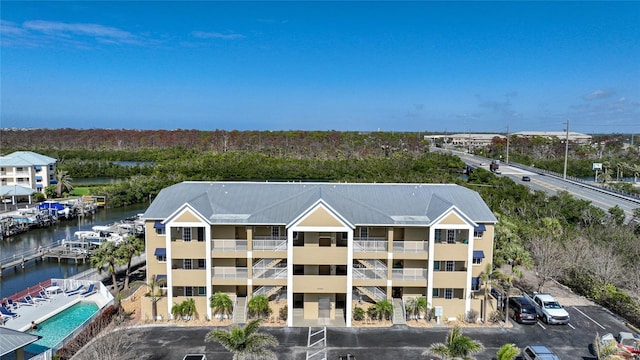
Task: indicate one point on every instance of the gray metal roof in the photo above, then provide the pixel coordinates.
(15, 190)
(25, 158)
(11, 340)
(281, 202)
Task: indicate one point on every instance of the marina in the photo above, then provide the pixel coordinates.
(16, 273)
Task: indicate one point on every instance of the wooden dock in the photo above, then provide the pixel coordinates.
(56, 251)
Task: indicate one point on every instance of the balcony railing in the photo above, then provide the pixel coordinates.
(368, 274)
(370, 245)
(229, 272)
(229, 245)
(410, 246)
(269, 245)
(269, 237)
(409, 274)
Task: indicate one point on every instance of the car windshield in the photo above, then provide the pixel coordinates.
(526, 310)
(552, 305)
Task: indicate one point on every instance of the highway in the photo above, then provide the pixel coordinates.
(552, 184)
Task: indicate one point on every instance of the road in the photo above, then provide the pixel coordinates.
(552, 184)
(398, 342)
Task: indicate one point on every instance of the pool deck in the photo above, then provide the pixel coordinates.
(46, 309)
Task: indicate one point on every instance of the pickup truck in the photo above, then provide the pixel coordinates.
(548, 309)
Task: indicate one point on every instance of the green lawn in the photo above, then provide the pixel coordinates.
(80, 191)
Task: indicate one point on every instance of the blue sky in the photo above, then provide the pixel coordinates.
(361, 66)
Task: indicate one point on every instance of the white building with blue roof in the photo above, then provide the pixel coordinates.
(319, 248)
(27, 170)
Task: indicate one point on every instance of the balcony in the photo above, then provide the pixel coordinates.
(409, 274)
(369, 274)
(228, 245)
(269, 245)
(410, 246)
(370, 244)
(229, 273)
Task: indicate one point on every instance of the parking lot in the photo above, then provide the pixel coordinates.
(398, 342)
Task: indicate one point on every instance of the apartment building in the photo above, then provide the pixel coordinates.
(321, 247)
(27, 169)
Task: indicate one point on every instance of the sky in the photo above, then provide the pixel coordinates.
(347, 66)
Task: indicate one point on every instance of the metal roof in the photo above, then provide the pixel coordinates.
(15, 190)
(25, 158)
(279, 203)
(11, 340)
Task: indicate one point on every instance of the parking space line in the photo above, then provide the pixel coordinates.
(587, 316)
(542, 326)
(571, 326)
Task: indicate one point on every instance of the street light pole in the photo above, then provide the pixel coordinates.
(507, 159)
(566, 152)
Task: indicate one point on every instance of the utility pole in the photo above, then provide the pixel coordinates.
(566, 152)
(507, 160)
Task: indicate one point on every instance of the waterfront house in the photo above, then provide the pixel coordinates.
(320, 247)
(26, 170)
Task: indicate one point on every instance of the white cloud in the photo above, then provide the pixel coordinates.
(598, 94)
(216, 35)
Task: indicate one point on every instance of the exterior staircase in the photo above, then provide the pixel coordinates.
(267, 290)
(399, 317)
(376, 265)
(240, 311)
(375, 293)
(263, 265)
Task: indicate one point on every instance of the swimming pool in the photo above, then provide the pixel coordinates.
(58, 327)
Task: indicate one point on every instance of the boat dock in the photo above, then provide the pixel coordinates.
(57, 251)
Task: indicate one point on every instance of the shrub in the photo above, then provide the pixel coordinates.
(284, 311)
(471, 317)
(358, 313)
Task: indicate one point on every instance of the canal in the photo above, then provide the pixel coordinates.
(13, 281)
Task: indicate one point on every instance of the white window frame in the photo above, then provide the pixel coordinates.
(450, 265)
(161, 231)
(437, 266)
(478, 234)
(202, 291)
(451, 236)
(364, 232)
(162, 259)
(186, 234)
(448, 293)
(187, 264)
(275, 232)
(477, 261)
(188, 291)
(435, 292)
(203, 262)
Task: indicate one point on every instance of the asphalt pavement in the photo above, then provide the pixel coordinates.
(571, 341)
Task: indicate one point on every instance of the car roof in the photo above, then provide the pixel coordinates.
(522, 300)
(545, 297)
(628, 335)
(542, 350)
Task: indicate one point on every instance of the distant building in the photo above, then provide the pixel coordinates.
(466, 140)
(28, 170)
(561, 135)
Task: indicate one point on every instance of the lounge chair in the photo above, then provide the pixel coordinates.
(91, 290)
(7, 313)
(12, 304)
(27, 300)
(42, 296)
(74, 291)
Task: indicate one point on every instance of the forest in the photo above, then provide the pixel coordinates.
(595, 252)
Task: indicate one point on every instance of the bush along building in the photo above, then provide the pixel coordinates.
(320, 247)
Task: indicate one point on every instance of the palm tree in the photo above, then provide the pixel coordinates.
(384, 309)
(185, 309)
(130, 247)
(487, 278)
(259, 306)
(456, 346)
(221, 303)
(154, 291)
(105, 257)
(421, 306)
(246, 343)
(635, 168)
(64, 182)
(507, 352)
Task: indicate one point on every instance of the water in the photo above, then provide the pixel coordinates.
(58, 327)
(12, 281)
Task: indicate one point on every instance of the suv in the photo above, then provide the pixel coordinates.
(526, 178)
(538, 352)
(522, 311)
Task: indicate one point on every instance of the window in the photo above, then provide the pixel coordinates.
(364, 232)
(451, 236)
(478, 234)
(201, 264)
(435, 293)
(186, 264)
(448, 293)
(188, 291)
(200, 234)
(275, 232)
(477, 261)
(436, 266)
(162, 259)
(186, 234)
(438, 235)
(160, 231)
(202, 291)
(450, 266)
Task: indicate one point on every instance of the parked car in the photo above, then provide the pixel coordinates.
(626, 341)
(522, 311)
(548, 309)
(526, 178)
(538, 352)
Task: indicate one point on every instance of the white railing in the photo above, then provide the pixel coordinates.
(229, 272)
(277, 272)
(410, 246)
(269, 237)
(376, 292)
(368, 274)
(229, 245)
(409, 274)
(370, 245)
(269, 245)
